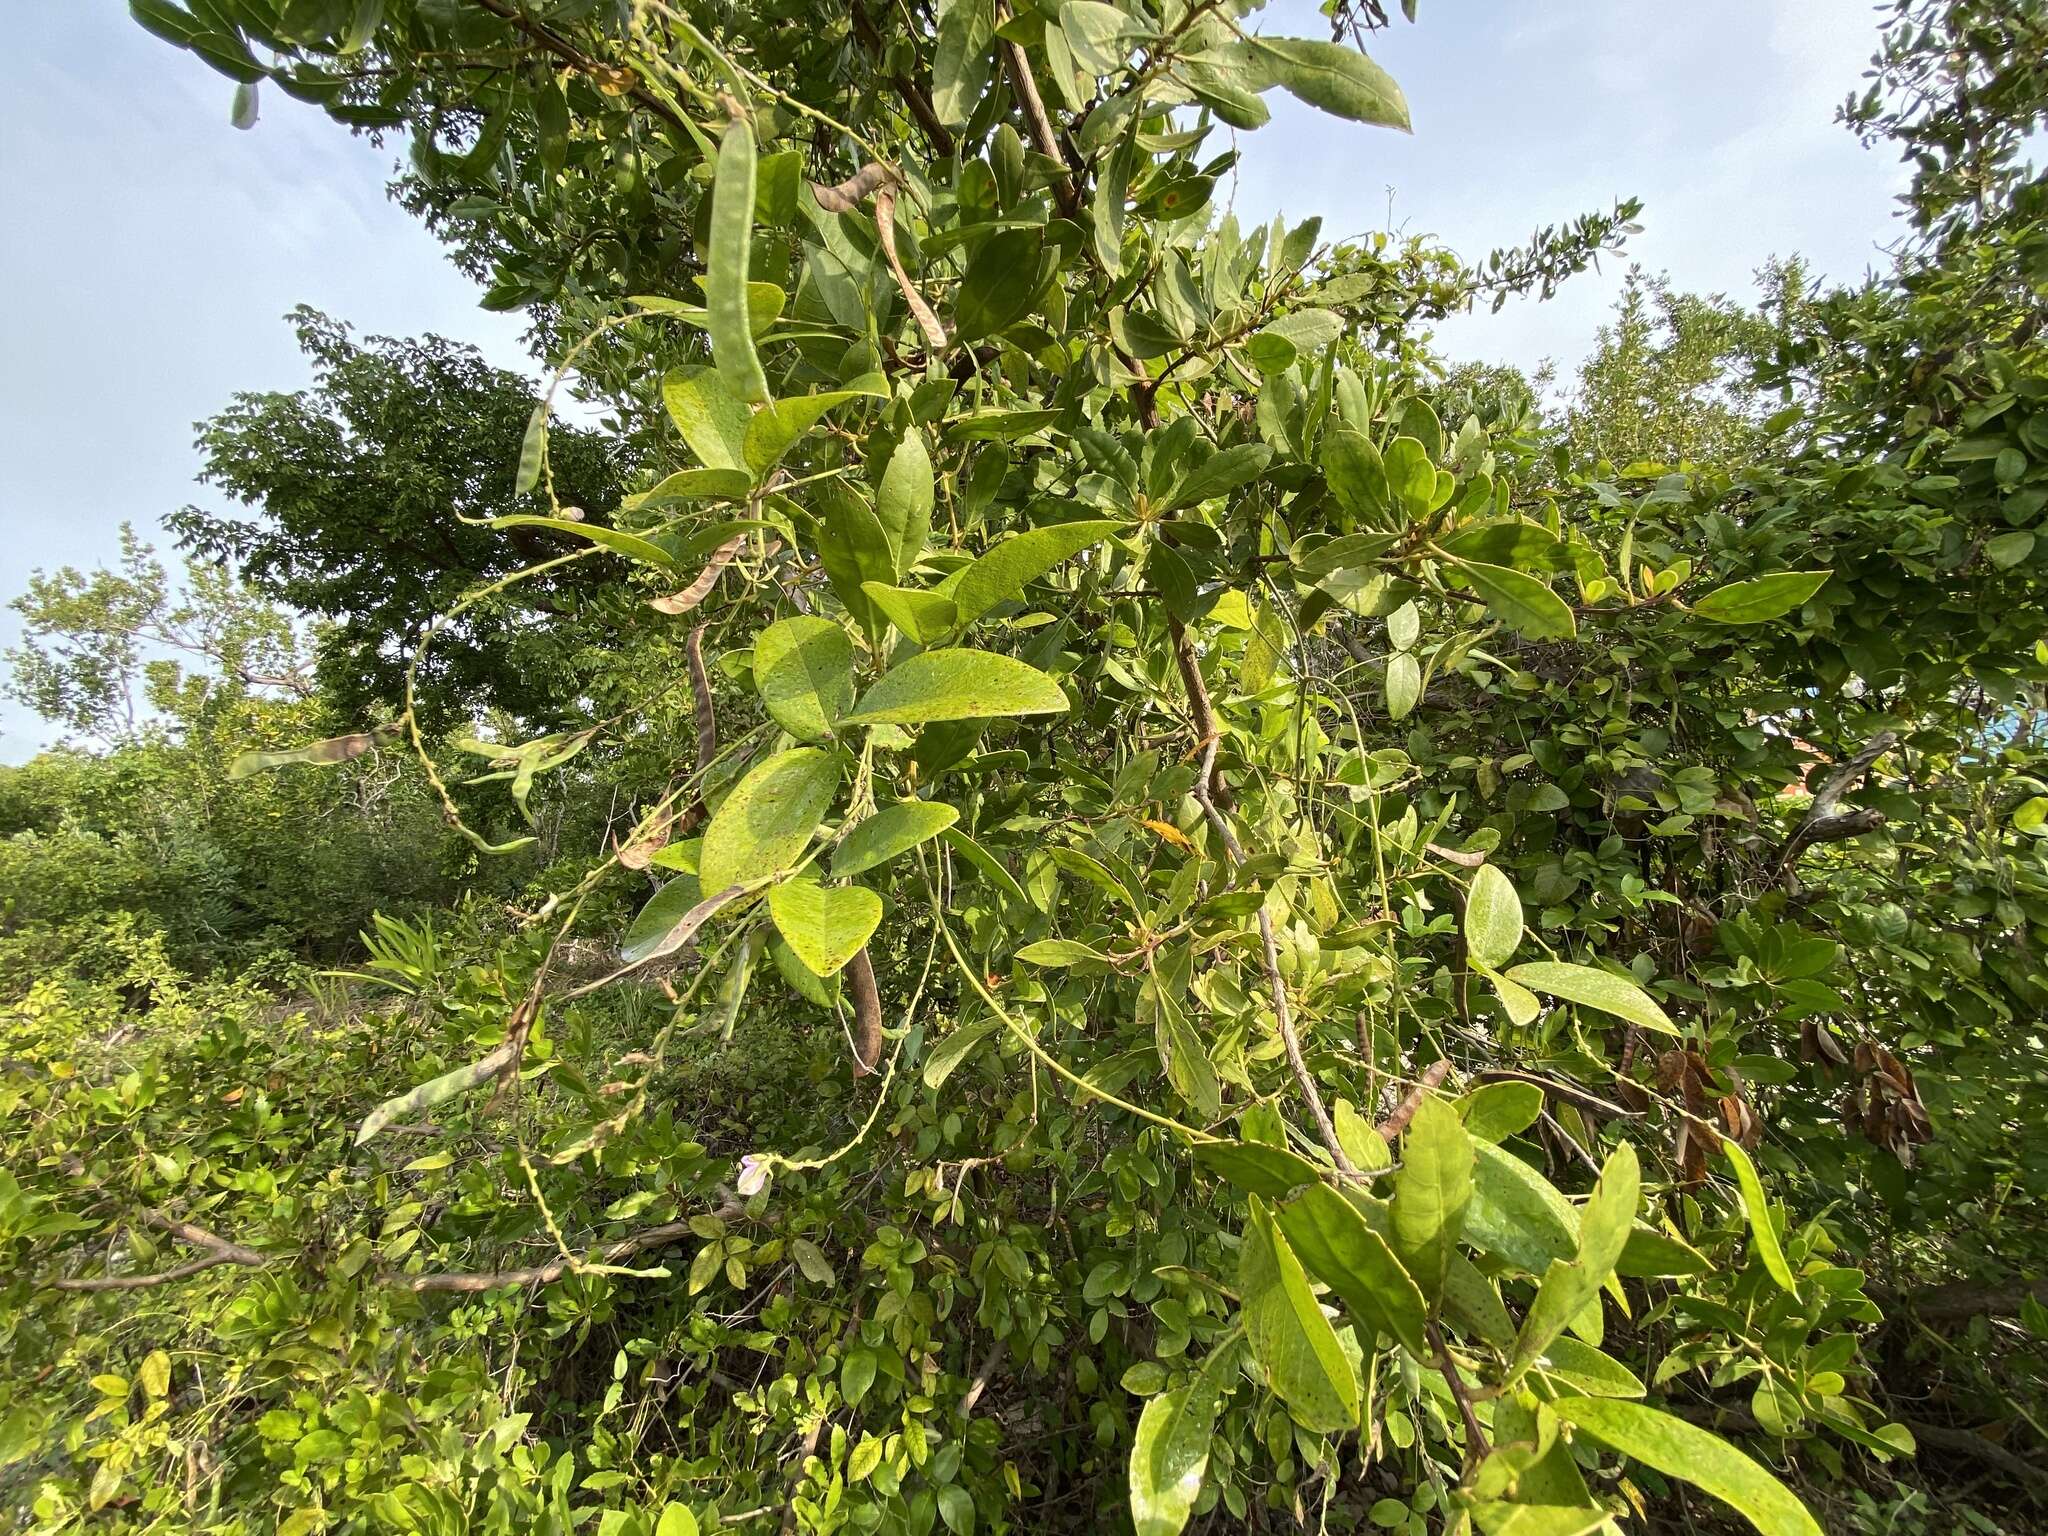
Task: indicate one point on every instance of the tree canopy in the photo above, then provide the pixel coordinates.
(1204, 921)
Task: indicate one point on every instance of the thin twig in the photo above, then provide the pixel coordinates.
(218, 1250)
(1269, 948)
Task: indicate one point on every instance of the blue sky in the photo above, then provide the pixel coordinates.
(152, 249)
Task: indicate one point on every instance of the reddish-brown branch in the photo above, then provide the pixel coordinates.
(216, 1251)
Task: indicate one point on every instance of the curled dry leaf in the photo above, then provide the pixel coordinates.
(848, 194)
(885, 229)
(698, 590)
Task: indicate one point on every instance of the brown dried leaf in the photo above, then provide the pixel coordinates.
(885, 229)
(698, 590)
(847, 195)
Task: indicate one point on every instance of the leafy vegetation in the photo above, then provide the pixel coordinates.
(1097, 893)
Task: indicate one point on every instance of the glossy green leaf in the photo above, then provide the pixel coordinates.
(927, 618)
(803, 668)
(1055, 953)
(1337, 78)
(992, 868)
(955, 1048)
(903, 500)
(1005, 569)
(1590, 988)
(1220, 474)
(1516, 1214)
(1404, 685)
(1757, 1207)
(1431, 1192)
(725, 283)
(712, 419)
(1338, 1246)
(763, 825)
(1256, 1168)
(1765, 598)
(957, 684)
(1493, 1112)
(826, 925)
(1569, 1287)
(1587, 1370)
(1291, 1339)
(631, 545)
(1682, 1450)
(1520, 601)
(1170, 1453)
(891, 830)
(777, 427)
(1000, 285)
(1493, 919)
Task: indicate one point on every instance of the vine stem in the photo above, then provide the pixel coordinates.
(1269, 948)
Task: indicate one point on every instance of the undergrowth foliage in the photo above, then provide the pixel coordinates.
(1241, 940)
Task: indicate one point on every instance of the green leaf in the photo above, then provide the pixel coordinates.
(631, 545)
(1682, 1450)
(1568, 1288)
(903, 500)
(1653, 1255)
(1411, 478)
(1342, 1250)
(1589, 988)
(826, 925)
(1404, 685)
(1522, 546)
(890, 831)
(1520, 601)
(956, 1508)
(1431, 1191)
(1495, 1111)
(1497, 1518)
(960, 62)
(665, 926)
(768, 818)
(1001, 284)
(1099, 34)
(947, 1055)
(805, 982)
(1356, 475)
(926, 617)
(990, 866)
(1340, 80)
(1587, 1369)
(692, 485)
(1291, 1339)
(662, 911)
(957, 684)
(1220, 474)
(803, 668)
(1170, 1454)
(1055, 953)
(725, 283)
(676, 1520)
(2008, 549)
(712, 419)
(532, 450)
(853, 549)
(1767, 597)
(776, 427)
(1255, 1167)
(1763, 1232)
(1516, 1214)
(1493, 921)
(1006, 569)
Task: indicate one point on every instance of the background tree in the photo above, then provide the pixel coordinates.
(369, 490)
